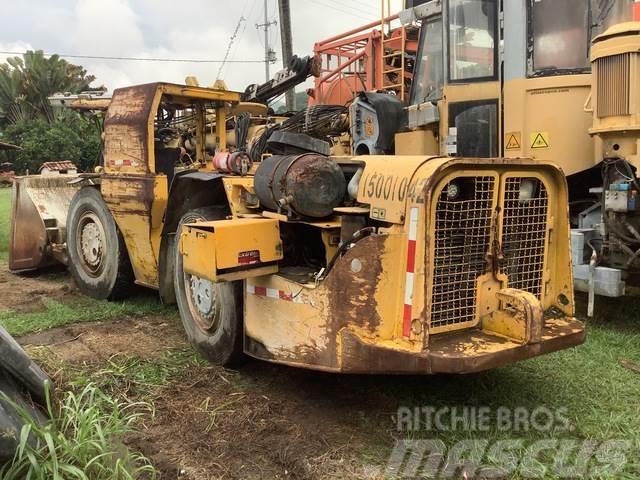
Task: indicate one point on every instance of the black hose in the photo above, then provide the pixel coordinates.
(243, 122)
(356, 237)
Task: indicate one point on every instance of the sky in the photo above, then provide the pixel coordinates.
(190, 29)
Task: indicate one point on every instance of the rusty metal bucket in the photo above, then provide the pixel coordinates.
(38, 220)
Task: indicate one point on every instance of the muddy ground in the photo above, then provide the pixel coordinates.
(264, 421)
(26, 293)
(258, 421)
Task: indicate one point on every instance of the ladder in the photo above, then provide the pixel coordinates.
(393, 58)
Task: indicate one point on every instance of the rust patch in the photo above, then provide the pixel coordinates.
(467, 351)
(131, 194)
(127, 141)
(353, 294)
(350, 302)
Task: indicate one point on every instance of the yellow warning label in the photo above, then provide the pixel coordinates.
(540, 140)
(513, 141)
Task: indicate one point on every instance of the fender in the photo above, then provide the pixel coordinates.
(190, 189)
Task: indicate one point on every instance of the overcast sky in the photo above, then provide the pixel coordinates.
(189, 29)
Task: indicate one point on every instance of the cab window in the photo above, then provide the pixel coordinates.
(473, 40)
(428, 78)
(559, 36)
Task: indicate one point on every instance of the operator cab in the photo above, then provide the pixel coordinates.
(455, 87)
(498, 78)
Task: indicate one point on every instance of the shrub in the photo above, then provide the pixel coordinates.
(69, 137)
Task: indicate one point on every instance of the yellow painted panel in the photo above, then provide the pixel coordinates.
(210, 247)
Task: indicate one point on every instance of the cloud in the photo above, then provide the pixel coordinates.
(18, 46)
(157, 29)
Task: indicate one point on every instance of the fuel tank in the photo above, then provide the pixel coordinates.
(308, 185)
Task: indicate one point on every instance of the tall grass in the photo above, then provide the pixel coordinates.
(83, 441)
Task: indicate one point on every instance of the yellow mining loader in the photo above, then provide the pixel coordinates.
(544, 79)
(387, 264)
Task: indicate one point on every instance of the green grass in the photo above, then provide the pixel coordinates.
(5, 218)
(82, 441)
(133, 377)
(57, 314)
(600, 398)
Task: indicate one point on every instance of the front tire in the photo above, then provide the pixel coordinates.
(98, 258)
(211, 313)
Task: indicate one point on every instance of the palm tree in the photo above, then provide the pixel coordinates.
(26, 82)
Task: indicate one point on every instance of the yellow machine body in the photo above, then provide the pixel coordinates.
(615, 102)
(465, 267)
(135, 191)
(417, 297)
(228, 250)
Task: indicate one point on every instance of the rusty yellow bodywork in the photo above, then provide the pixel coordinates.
(134, 191)
(441, 283)
(355, 318)
(226, 250)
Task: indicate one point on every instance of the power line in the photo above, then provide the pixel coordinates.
(364, 4)
(140, 59)
(345, 8)
(358, 14)
(234, 51)
(231, 40)
(362, 7)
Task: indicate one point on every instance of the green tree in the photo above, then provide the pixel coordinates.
(69, 137)
(26, 82)
(27, 118)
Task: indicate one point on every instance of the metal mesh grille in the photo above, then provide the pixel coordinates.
(462, 238)
(613, 74)
(524, 234)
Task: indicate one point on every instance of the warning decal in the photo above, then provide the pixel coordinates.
(540, 140)
(513, 141)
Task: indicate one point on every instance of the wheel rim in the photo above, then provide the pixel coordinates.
(202, 298)
(90, 238)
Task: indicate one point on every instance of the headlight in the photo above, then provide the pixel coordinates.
(453, 191)
(527, 190)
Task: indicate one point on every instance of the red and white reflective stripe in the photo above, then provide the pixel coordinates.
(273, 293)
(411, 265)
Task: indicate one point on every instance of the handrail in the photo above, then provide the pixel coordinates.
(356, 30)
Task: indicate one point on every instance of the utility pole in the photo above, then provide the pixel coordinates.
(269, 53)
(287, 47)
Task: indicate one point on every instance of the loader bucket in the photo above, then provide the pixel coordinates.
(38, 220)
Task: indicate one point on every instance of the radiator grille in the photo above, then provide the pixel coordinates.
(613, 76)
(524, 235)
(462, 238)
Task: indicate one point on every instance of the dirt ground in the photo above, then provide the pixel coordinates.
(95, 343)
(25, 293)
(264, 421)
(259, 421)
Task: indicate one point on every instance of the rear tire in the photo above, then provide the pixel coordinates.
(98, 257)
(211, 313)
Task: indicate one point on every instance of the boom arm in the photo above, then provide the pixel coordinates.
(298, 71)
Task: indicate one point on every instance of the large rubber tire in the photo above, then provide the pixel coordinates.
(98, 257)
(11, 421)
(211, 313)
(15, 360)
